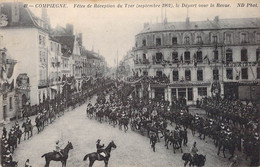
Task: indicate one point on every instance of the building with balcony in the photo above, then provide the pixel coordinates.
(191, 60)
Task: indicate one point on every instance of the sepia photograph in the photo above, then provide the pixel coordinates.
(129, 83)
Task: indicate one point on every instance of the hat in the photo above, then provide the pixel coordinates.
(57, 141)
(98, 140)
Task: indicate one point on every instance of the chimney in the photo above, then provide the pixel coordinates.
(146, 24)
(216, 19)
(69, 29)
(15, 12)
(80, 39)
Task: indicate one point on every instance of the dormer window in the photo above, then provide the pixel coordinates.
(187, 40)
(243, 38)
(144, 42)
(214, 39)
(228, 38)
(174, 40)
(199, 40)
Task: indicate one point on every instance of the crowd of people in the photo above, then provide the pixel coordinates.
(154, 114)
(45, 113)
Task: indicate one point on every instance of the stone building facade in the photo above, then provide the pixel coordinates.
(203, 58)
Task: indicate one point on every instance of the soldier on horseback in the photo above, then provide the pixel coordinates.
(100, 149)
(8, 158)
(58, 148)
(194, 150)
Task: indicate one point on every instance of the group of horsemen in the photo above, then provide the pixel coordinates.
(155, 113)
(10, 140)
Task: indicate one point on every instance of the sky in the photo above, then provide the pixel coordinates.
(108, 30)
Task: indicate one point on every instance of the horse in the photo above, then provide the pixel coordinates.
(95, 156)
(124, 122)
(227, 144)
(18, 134)
(12, 141)
(27, 129)
(39, 123)
(53, 156)
(198, 160)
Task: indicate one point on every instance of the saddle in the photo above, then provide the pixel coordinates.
(58, 154)
(102, 155)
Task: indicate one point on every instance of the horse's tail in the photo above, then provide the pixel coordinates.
(86, 157)
(43, 155)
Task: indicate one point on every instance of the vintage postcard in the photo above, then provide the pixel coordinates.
(129, 83)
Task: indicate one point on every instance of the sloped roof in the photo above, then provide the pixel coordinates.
(67, 44)
(208, 24)
(90, 54)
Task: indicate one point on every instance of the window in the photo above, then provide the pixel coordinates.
(145, 73)
(175, 57)
(229, 73)
(159, 73)
(144, 42)
(187, 75)
(199, 56)
(244, 55)
(244, 73)
(187, 40)
(158, 42)
(215, 57)
(43, 41)
(243, 38)
(258, 72)
(40, 39)
(202, 91)
(187, 57)
(215, 39)
(144, 56)
(257, 36)
(51, 46)
(199, 40)
(182, 92)
(159, 58)
(200, 75)
(228, 37)
(174, 93)
(174, 40)
(40, 56)
(11, 103)
(190, 94)
(258, 55)
(229, 57)
(175, 75)
(215, 74)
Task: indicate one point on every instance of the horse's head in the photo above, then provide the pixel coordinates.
(70, 146)
(112, 144)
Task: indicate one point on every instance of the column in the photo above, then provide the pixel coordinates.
(170, 95)
(166, 94)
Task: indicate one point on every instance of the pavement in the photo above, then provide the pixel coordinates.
(133, 149)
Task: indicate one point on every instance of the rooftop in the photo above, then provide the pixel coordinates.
(208, 24)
